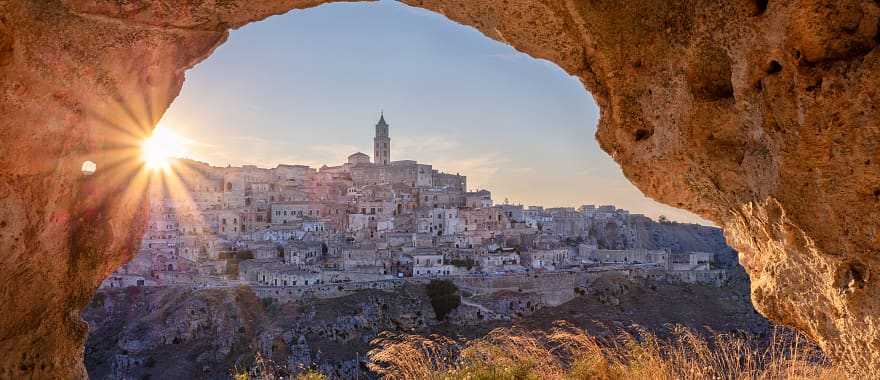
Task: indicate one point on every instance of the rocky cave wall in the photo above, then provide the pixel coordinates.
(759, 115)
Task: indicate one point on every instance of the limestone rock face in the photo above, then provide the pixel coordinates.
(759, 115)
(83, 81)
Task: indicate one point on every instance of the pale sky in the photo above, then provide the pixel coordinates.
(307, 87)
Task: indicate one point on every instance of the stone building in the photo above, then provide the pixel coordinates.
(545, 258)
(302, 253)
(628, 256)
(290, 212)
(479, 199)
(382, 143)
(500, 259)
(692, 261)
(358, 158)
(427, 263)
(455, 181)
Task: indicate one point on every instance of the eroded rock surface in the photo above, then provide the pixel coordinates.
(759, 115)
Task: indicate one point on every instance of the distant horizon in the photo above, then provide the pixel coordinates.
(518, 126)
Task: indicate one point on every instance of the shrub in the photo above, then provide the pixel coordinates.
(311, 375)
(266, 369)
(566, 352)
(463, 263)
(267, 302)
(444, 297)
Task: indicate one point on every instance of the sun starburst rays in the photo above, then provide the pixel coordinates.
(162, 146)
(150, 167)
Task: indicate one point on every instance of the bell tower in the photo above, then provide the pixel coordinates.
(382, 143)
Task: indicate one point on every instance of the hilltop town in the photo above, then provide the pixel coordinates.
(308, 265)
(301, 231)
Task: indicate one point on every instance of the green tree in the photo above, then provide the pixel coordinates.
(463, 263)
(444, 297)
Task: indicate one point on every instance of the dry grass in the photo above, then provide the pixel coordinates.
(569, 353)
(265, 369)
(566, 352)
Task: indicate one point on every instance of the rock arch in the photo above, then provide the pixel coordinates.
(759, 115)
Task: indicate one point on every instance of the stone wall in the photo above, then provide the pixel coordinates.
(554, 288)
(294, 293)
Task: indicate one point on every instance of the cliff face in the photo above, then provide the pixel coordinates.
(179, 333)
(761, 116)
(678, 237)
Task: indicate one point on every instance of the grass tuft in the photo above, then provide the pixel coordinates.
(569, 353)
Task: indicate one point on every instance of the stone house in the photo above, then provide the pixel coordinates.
(499, 259)
(291, 212)
(629, 256)
(545, 258)
(302, 253)
(478, 199)
(429, 263)
(693, 261)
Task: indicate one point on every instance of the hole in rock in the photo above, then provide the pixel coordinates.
(760, 6)
(774, 67)
(815, 86)
(344, 152)
(709, 74)
(851, 277)
(88, 168)
(643, 134)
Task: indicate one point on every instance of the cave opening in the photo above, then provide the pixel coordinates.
(688, 111)
(258, 103)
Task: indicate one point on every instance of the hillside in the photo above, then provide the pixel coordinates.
(185, 333)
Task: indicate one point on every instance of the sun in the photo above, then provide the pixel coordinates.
(161, 146)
